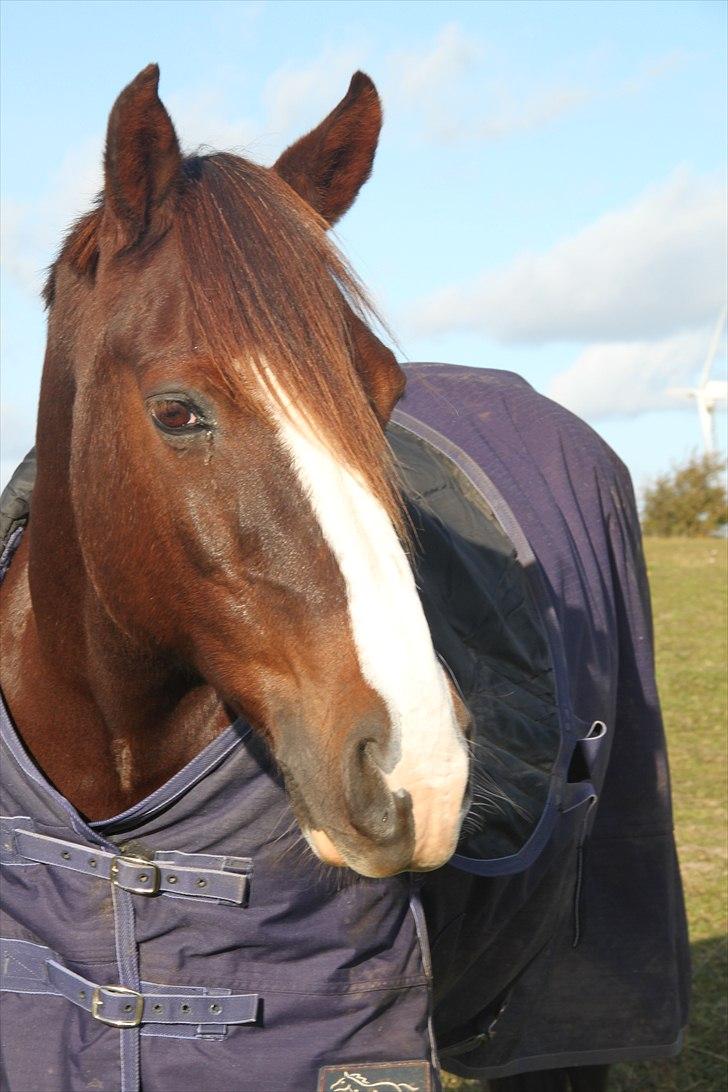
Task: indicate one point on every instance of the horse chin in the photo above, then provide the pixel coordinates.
(324, 848)
(330, 854)
(327, 852)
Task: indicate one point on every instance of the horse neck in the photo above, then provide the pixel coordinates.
(106, 720)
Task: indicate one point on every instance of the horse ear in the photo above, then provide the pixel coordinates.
(329, 165)
(142, 162)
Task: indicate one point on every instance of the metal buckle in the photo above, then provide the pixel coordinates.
(148, 875)
(97, 1003)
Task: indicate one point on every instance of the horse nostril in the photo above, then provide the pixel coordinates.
(363, 749)
(370, 754)
(373, 811)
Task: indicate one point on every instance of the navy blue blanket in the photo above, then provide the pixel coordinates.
(557, 932)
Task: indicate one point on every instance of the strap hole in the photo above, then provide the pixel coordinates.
(171, 879)
(66, 855)
(82, 995)
(143, 877)
(92, 862)
(184, 1008)
(128, 1008)
(215, 1008)
(157, 1008)
(202, 883)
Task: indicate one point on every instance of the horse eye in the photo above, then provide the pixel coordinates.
(174, 415)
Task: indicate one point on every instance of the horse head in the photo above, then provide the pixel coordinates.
(212, 414)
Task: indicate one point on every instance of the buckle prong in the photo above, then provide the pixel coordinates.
(97, 1003)
(148, 876)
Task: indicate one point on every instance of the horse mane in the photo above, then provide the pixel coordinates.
(272, 301)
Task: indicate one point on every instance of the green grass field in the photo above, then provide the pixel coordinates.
(689, 592)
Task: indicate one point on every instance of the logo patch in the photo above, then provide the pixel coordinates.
(382, 1076)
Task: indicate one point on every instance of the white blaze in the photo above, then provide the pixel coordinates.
(392, 638)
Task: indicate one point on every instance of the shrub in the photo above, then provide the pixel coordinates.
(690, 500)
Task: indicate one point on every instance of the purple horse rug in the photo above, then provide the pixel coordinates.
(194, 941)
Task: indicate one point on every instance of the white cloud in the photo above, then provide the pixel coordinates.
(17, 244)
(432, 82)
(508, 115)
(427, 82)
(298, 97)
(645, 270)
(32, 231)
(626, 378)
(534, 111)
(422, 72)
(652, 71)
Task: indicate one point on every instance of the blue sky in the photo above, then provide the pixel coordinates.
(549, 194)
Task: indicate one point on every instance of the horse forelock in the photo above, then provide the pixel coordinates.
(272, 300)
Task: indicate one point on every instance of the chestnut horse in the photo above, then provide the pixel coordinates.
(214, 523)
(216, 529)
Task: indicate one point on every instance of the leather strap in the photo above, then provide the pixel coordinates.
(135, 874)
(26, 967)
(121, 1007)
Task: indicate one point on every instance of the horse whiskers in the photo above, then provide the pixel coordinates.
(486, 790)
(490, 799)
(278, 822)
(340, 877)
(486, 801)
(479, 744)
(299, 844)
(297, 839)
(284, 833)
(491, 806)
(323, 872)
(484, 777)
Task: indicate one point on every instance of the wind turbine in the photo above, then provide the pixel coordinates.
(709, 392)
